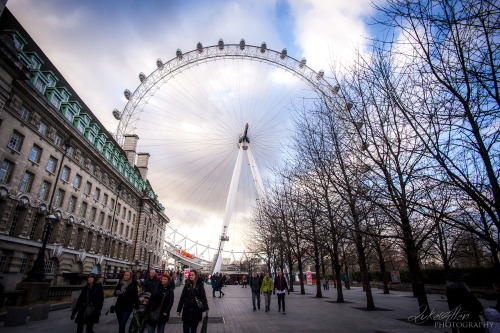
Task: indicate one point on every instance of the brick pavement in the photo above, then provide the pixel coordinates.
(305, 313)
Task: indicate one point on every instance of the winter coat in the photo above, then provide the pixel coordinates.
(129, 300)
(220, 282)
(280, 283)
(187, 304)
(150, 284)
(267, 285)
(163, 298)
(255, 284)
(214, 279)
(89, 296)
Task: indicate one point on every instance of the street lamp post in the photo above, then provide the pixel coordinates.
(37, 273)
(149, 259)
(119, 188)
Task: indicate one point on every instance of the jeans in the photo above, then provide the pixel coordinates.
(256, 295)
(122, 320)
(90, 328)
(267, 299)
(189, 328)
(281, 301)
(160, 326)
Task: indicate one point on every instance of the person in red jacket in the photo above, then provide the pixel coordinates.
(280, 287)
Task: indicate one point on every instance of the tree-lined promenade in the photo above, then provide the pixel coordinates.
(398, 167)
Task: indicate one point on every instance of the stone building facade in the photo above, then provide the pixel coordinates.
(53, 149)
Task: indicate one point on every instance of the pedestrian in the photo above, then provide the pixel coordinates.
(159, 305)
(150, 282)
(192, 303)
(244, 281)
(89, 304)
(461, 299)
(492, 314)
(221, 283)
(267, 288)
(280, 288)
(255, 285)
(128, 299)
(325, 284)
(213, 280)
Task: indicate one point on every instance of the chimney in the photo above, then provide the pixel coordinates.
(130, 146)
(142, 164)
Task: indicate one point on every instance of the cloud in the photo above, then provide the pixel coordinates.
(192, 124)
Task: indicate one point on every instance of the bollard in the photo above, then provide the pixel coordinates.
(40, 312)
(16, 316)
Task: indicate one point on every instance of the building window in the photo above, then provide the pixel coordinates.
(92, 167)
(78, 181)
(71, 151)
(36, 153)
(55, 101)
(51, 165)
(72, 204)
(15, 219)
(69, 115)
(101, 218)
(126, 232)
(112, 204)
(82, 160)
(93, 211)
(42, 128)
(25, 114)
(24, 263)
(3, 261)
(6, 171)
(83, 210)
(26, 182)
(124, 212)
(40, 85)
(121, 228)
(49, 266)
(88, 188)
(16, 141)
(34, 225)
(65, 174)
(58, 141)
(44, 190)
(108, 224)
(97, 194)
(81, 127)
(59, 197)
(104, 199)
(129, 215)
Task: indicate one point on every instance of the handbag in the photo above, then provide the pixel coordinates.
(153, 317)
(200, 304)
(89, 312)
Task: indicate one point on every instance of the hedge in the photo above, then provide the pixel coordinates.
(473, 276)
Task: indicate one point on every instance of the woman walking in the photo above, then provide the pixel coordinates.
(267, 289)
(280, 288)
(89, 304)
(128, 299)
(189, 304)
(160, 304)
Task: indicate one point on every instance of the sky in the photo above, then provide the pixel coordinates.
(191, 126)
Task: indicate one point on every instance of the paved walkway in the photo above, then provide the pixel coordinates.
(305, 313)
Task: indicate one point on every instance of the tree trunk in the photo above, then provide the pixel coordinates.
(290, 271)
(383, 270)
(338, 280)
(317, 264)
(301, 274)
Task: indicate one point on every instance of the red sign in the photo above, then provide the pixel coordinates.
(186, 274)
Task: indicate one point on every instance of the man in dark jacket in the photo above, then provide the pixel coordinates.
(150, 282)
(214, 279)
(255, 284)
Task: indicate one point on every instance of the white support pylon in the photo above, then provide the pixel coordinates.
(243, 145)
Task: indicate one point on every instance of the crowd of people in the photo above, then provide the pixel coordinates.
(150, 301)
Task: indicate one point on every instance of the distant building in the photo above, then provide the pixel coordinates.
(39, 112)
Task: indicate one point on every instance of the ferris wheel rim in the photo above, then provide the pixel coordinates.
(212, 53)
